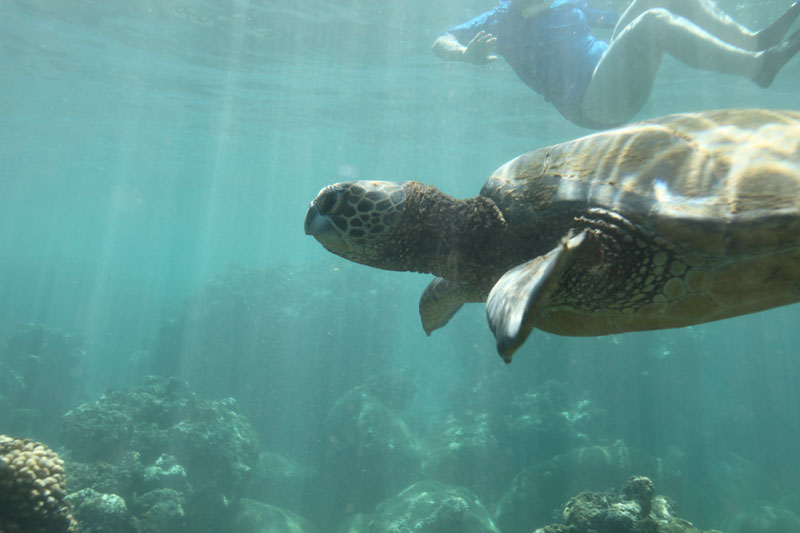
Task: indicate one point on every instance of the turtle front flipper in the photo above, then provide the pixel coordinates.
(516, 299)
(442, 299)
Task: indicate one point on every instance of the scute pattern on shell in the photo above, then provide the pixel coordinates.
(32, 489)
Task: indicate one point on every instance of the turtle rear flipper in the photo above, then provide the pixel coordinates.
(440, 300)
(516, 299)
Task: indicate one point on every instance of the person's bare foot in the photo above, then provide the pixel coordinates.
(772, 34)
(775, 58)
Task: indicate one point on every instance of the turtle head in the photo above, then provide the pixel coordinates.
(356, 219)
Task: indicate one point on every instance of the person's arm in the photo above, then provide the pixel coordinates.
(479, 51)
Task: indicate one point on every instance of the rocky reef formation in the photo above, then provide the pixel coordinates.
(257, 517)
(725, 482)
(174, 459)
(283, 482)
(97, 512)
(537, 492)
(426, 507)
(32, 489)
(488, 437)
(634, 509)
(330, 431)
(763, 517)
(371, 454)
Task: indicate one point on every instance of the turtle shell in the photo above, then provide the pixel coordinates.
(718, 191)
(723, 182)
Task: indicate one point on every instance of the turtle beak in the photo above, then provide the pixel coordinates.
(318, 225)
(312, 219)
(322, 228)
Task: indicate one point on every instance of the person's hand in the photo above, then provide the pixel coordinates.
(480, 49)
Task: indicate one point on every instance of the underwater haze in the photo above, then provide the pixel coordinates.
(200, 364)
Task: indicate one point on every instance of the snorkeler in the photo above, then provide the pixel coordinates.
(595, 84)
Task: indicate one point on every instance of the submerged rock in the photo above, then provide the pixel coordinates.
(466, 452)
(763, 517)
(160, 511)
(635, 509)
(426, 507)
(97, 512)
(123, 476)
(371, 454)
(258, 517)
(392, 387)
(166, 473)
(537, 493)
(726, 481)
(277, 480)
(488, 435)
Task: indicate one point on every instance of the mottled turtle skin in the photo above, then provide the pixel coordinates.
(666, 223)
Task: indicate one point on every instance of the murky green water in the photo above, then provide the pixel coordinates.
(156, 163)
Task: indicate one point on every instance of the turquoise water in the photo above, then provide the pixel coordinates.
(147, 148)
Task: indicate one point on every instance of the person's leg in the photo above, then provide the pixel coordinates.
(708, 16)
(773, 59)
(772, 34)
(624, 77)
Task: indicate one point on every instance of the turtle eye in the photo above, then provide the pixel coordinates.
(328, 204)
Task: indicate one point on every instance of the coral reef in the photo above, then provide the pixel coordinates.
(162, 437)
(636, 509)
(350, 437)
(99, 513)
(32, 489)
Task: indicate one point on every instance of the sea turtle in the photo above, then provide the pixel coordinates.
(666, 223)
